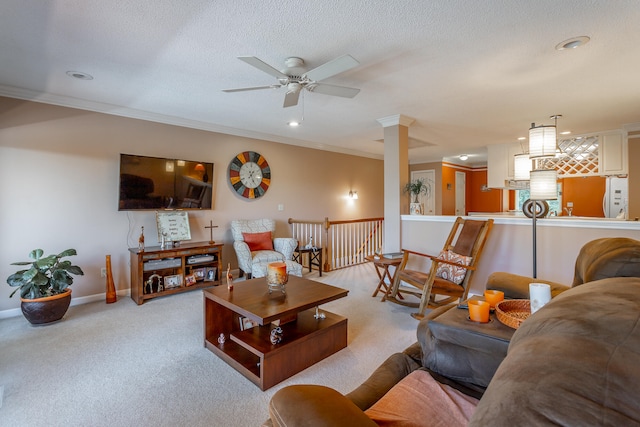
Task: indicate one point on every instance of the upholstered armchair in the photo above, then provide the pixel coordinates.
(256, 247)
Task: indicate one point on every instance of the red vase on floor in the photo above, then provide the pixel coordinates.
(111, 287)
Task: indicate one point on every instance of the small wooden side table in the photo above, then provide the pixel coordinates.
(314, 255)
(382, 265)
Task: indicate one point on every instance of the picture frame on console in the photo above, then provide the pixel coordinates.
(173, 281)
(210, 274)
(190, 279)
(199, 273)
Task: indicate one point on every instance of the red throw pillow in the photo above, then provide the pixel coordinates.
(258, 241)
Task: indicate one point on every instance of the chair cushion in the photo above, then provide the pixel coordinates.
(420, 277)
(262, 257)
(419, 400)
(450, 272)
(258, 241)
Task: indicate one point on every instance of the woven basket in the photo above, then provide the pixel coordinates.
(513, 312)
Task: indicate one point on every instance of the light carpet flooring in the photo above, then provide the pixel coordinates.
(127, 365)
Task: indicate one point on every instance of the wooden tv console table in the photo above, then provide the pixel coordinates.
(305, 339)
(158, 272)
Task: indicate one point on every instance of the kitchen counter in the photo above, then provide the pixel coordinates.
(561, 221)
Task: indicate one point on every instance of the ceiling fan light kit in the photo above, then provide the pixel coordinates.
(295, 78)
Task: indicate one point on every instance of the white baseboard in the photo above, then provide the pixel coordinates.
(13, 312)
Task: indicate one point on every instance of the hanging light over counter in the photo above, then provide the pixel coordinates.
(521, 167)
(542, 141)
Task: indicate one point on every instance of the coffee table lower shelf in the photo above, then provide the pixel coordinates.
(305, 341)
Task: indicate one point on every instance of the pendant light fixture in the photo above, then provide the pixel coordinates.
(521, 167)
(542, 141)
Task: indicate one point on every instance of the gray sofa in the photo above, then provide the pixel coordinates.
(574, 362)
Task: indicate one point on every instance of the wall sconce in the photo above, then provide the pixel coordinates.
(353, 195)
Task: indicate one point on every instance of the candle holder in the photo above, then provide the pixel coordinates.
(277, 276)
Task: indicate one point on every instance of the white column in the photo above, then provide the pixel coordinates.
(396, 176)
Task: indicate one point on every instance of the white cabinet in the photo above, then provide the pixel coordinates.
(497, 165)
(613, 154)
(500, 163)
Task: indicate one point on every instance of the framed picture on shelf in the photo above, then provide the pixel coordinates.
(190, 279)
(246, 323)
(210, 274)
(199, 273)
(174, 281)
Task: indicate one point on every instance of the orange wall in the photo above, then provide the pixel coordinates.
(449, 190)
(586, 194)
(476, 200)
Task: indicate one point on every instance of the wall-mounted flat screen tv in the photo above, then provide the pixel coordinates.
(150, 183)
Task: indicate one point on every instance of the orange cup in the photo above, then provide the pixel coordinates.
(479, 311)
(493, 297)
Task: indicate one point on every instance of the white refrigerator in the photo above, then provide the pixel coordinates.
(616, 196)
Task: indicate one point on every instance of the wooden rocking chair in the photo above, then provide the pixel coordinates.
(450, 272)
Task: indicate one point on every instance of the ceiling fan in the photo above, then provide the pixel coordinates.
(294, 77)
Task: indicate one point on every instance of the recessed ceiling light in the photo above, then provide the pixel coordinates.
(566, 132)
(293, 124)
(79, 75)
(464, 157)
(522, 138)
(573, 43)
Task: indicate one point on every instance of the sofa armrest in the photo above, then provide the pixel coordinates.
(314, 405)
(517, 287)
(286, 246)
(388, 374)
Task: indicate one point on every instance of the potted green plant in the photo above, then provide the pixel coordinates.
(416, 188)
(44, 287)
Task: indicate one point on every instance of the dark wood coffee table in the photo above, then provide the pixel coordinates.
(305, 339)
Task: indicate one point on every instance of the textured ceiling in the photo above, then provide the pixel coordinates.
(471, 73)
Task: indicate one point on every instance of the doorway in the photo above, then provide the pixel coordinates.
(428, 200)
(461, 194)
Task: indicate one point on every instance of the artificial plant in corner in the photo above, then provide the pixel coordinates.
(44, 286)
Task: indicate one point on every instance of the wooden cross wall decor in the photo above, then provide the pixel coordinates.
(211, 227)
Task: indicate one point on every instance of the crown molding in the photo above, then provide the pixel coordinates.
(398, 119)
(114, 110)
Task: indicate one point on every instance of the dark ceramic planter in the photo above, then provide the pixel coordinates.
(46, 310)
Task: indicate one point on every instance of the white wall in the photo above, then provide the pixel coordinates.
(509, 247)
(59, 187)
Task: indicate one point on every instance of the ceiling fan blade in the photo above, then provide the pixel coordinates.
(291, 98)
(242, 89)
(331, 68)
(345, 92)
(263, 66)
